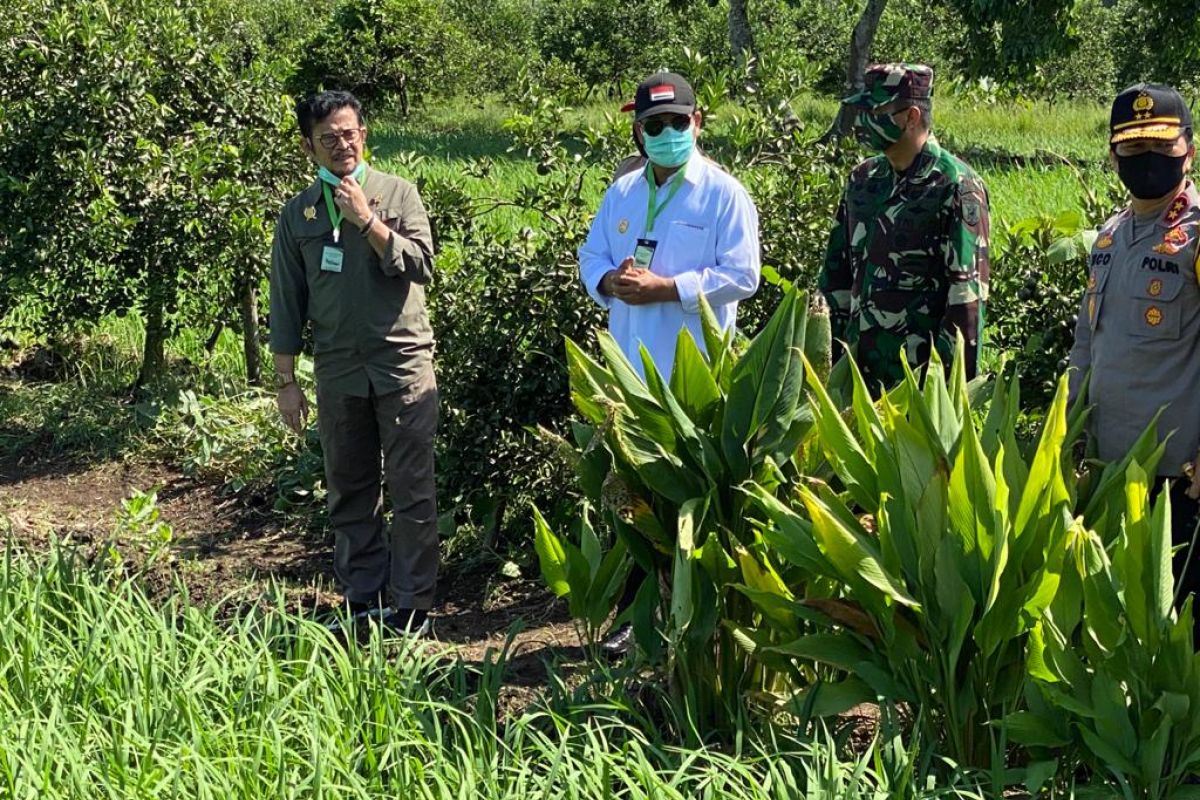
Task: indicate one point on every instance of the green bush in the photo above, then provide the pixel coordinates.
(387, 50)
(607, 41)
(142, 164)
(1039, 271)
(667, 461)
(501, 303)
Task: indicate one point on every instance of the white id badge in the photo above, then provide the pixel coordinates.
(331, 259)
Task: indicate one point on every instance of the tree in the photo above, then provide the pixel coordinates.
(861, 40)
(145, 165)
(1005, 39)
(741, 38)
(386, 49)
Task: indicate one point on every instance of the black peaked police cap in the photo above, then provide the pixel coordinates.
(1148, 111)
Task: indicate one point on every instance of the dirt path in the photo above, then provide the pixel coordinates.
(223, 549)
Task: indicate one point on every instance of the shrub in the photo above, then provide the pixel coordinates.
(1039, 271)
(385, 50)
(666, 459)
(606, 41)
(143, 166)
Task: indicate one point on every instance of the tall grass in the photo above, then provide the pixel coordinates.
(105, 693)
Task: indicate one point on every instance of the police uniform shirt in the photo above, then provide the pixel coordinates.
(370, 326)
(1139, 332)
(707, 240)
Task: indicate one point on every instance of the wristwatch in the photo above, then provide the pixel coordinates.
(282, 379)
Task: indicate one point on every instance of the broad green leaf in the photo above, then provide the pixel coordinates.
(692, 381)
(663, 473)
(1035, 655)
(1026, 728)
(643, 615)
(759, 393)
(552, 558)
(830, 699)
(843, 450)
(956, 603)
(607, 585)
(1044, 487)
(652, 418)
(592, 386)
(761, 578)
(789, 534)
(693, 444)
(942, 413)
(853, 554)
(837, 649)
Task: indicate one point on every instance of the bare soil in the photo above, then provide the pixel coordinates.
(230, 553)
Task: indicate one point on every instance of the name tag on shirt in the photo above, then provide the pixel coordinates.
(643, 254)
(331, 259)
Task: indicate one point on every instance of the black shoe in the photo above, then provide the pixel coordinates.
(619, 642)
(352, 611)
(414, 623)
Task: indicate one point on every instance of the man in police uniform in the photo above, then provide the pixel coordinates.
(1139, 323)
(352, 255)
(907, 261)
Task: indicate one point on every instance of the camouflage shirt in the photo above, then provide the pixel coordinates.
(907, 263)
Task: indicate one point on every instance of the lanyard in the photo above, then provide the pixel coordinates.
(653, 210)
(335, 213)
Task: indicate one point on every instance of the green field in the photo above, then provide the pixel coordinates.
(924, 595)
(1017, 148)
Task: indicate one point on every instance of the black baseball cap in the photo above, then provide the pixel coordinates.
(662, 93)
(1148, 111)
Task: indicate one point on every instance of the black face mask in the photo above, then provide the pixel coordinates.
(1149, 176)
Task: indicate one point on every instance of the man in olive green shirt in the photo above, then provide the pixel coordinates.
(352, 254)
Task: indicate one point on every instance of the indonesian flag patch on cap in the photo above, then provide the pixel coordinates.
(663, 92)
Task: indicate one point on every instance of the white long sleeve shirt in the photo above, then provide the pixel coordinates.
(707, 240)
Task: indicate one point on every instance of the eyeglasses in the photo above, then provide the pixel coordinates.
(654, 126)
(1174, 147)
(349, 136)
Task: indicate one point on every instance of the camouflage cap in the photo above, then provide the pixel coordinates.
(885, 83)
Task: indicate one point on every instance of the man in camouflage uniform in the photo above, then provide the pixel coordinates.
(907, 262)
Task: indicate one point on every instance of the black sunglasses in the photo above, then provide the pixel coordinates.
(654, 126)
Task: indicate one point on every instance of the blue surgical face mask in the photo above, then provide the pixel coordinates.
(334, 180)
(671, 148)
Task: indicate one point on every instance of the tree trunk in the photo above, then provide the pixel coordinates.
(861, 42)
(248, 297)
(741, 40)
(154, 360)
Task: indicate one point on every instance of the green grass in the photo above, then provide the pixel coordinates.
(1015, 148)
(107, 693)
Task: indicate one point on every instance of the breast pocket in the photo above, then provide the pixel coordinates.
(1156, 314)
(685, 248)
(312, 245)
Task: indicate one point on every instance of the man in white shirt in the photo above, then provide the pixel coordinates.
(665, 235)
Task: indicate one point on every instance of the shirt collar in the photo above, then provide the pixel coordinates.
(693, 170)
(1177, 211)
(922, 166)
